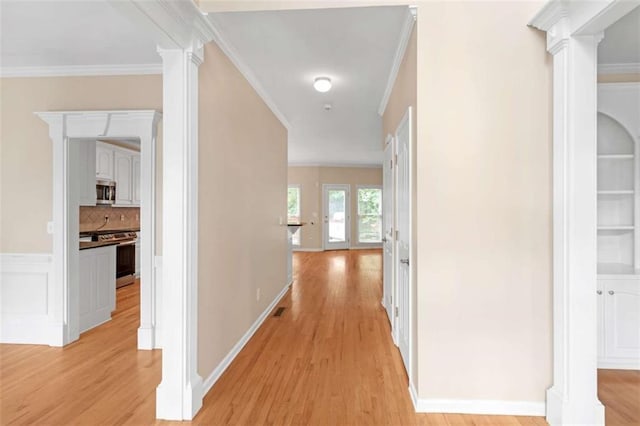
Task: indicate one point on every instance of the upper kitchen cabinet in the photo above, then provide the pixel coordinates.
(104, 161)
(83, 153)
(122, 166)
(123, 177)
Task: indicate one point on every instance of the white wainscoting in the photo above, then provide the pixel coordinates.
(476, 406)
(226, 361)
(25, 289)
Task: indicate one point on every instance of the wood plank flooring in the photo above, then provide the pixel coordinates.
(328, 360)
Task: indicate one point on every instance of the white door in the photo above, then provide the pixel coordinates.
(387, 229)
(403, 238)
(336, 217)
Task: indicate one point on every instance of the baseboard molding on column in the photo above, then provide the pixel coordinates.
(476, 406)
(146, 338)
(228, 359)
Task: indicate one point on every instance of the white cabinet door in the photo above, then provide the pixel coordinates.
(82, 173)
(97, 286)
(135, 175)
(622, 319)
(104, 161)
(124, 184)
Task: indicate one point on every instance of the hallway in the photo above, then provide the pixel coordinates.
(327, 360)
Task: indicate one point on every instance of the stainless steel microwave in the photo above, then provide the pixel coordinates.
(105, 192)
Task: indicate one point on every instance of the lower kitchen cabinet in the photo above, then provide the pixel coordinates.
(619, 323)
(97, 286)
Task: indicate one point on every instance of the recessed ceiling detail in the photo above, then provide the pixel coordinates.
(287, 50)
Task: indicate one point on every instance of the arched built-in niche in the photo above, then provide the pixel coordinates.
(617, 184)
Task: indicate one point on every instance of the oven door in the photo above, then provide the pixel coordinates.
(125, 263)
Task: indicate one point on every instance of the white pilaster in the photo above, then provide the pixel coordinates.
(573, 397)
(179, 396)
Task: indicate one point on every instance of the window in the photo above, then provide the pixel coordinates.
(369, 215)
(293, 210)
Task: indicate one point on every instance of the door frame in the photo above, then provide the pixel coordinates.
(347, 221)
(406, 118)
(63, 302)
(388, 300)
(573, 33)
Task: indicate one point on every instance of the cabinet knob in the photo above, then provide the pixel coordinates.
(599, 291)
(611, 292)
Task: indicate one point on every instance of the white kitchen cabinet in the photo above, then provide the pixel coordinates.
(123, 165)
(84, 156)
(135, 176)
(619, 323)
(97, 286)
(104, 161)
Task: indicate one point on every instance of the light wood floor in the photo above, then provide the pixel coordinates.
(328, 360)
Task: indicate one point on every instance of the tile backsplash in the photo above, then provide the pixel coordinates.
(93, 218)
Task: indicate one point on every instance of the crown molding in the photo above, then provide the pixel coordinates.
(174, 24)
(405, 35)
(244, 69)
(630, 68)
(81, 70)
(552, 12)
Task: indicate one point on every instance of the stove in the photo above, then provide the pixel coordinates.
(118, 236)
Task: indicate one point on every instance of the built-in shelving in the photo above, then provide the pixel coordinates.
(617, 184)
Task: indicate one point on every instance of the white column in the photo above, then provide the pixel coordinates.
(179, 396)
(574, 234)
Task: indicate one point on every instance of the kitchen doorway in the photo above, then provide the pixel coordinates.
(70, 131)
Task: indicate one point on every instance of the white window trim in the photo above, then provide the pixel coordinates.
(299, 233)
(358, 243)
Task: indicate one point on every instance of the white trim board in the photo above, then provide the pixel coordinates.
(233, 56)
(347, 165)
(405, 35)
(313, 250)
(228, 359)
(630, 68)
(476, 406)
(81, 70)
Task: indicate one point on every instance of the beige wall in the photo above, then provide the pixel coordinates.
(25, 146)
(311, 180)
(242, 198)
(618, 78)
(484, 202)
(403, 96)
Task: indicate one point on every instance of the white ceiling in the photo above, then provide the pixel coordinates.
(70, 33)
(286, 50)
(621, 43)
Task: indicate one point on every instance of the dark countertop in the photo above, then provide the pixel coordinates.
(107, 231)
(95, 244)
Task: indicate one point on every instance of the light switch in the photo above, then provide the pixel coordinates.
(50, 228)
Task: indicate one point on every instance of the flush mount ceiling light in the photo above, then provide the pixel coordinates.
(322, 84)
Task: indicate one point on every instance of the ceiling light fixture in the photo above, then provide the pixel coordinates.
(322, 84)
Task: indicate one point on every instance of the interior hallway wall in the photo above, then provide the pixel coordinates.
(311, 179)
(242, 208)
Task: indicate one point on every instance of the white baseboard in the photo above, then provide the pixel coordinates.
(26, 282)
(619, 364)
(476, 406)
(307, 249)
(371, 247)
(226, 361)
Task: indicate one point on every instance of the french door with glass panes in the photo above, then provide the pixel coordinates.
(336, 217)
